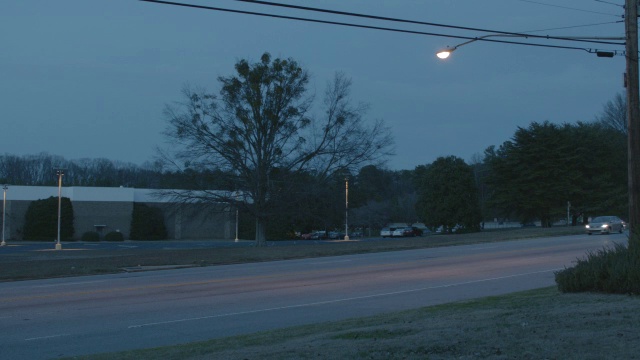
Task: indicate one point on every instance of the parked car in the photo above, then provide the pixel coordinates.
(399, 232)
(605, 225)
(386, 232)
(336, 235)
(412, 231)
(320, 235)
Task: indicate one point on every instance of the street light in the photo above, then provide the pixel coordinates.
(4, 208)
(346, 208)
(632, 83)
(59, 173)
(236, 195)
(446, 52)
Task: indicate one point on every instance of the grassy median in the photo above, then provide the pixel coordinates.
(537, 324)
(47, 264)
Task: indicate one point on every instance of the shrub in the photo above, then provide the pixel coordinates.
(610, 270)
(90, 236)
(41, 220)
(147, 223)
(114, 236)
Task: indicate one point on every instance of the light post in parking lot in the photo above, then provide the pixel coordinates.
(346, 208)
(59, 173)
(4, 208)
(236, 195)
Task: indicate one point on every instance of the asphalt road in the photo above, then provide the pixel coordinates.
(45, 319)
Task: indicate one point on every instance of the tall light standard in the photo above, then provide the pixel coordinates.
(236, 194)
(59, 173)
(346, 208)
(4, 210)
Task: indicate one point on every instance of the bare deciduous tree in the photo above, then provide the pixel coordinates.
(614, 114)
(259, 132)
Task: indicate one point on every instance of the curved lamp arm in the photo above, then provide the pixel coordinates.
(445, 53)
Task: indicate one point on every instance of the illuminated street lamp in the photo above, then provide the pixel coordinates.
(4, 208)
(59, 173)
(446, 52)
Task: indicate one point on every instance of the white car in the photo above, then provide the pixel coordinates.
(399, 232)
(386, 232)
(605, 225)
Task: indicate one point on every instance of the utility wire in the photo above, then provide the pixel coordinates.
(574, 26)
(570, 8)
(610, 3)
(374, 17)
(589, 50)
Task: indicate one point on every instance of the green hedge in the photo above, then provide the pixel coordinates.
(41, 220)
(147, 223)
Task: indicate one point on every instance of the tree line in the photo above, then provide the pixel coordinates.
(263, 144)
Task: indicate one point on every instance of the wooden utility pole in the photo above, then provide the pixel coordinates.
(633, 121)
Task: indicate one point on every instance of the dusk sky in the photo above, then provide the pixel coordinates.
(90, 78)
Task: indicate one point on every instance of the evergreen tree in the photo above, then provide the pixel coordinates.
(447, 195)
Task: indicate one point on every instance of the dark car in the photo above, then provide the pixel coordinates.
(411, 232)
(319, 235)
(605, 225)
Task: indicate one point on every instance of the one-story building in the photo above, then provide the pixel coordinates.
(110, 209)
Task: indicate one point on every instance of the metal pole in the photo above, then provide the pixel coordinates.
(59, 173)
(236, 223)
(633, 121)
(4, 208)
(346, 208)
(237, 215)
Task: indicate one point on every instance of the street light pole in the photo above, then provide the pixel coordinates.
(237, 215)
(346, 208)
(59, 173)
(4, 210)
(633, 120)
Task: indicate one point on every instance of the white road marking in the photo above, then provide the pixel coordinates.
(329, 262)
(338, 300)
(70, 284)
(47, 337)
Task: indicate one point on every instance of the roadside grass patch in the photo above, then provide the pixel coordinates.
(609, 270)
(374, 334)
(536, 324)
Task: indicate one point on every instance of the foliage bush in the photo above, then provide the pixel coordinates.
(147, 223)
(90, 236)
(114, 236)
(610, 270)
(41, 220)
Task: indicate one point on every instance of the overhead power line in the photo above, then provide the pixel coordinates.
(384, 18)
(590, 50)
(575, 26)
(570, 8)
(610, 3)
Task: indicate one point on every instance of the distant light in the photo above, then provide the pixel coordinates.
(443, 54)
